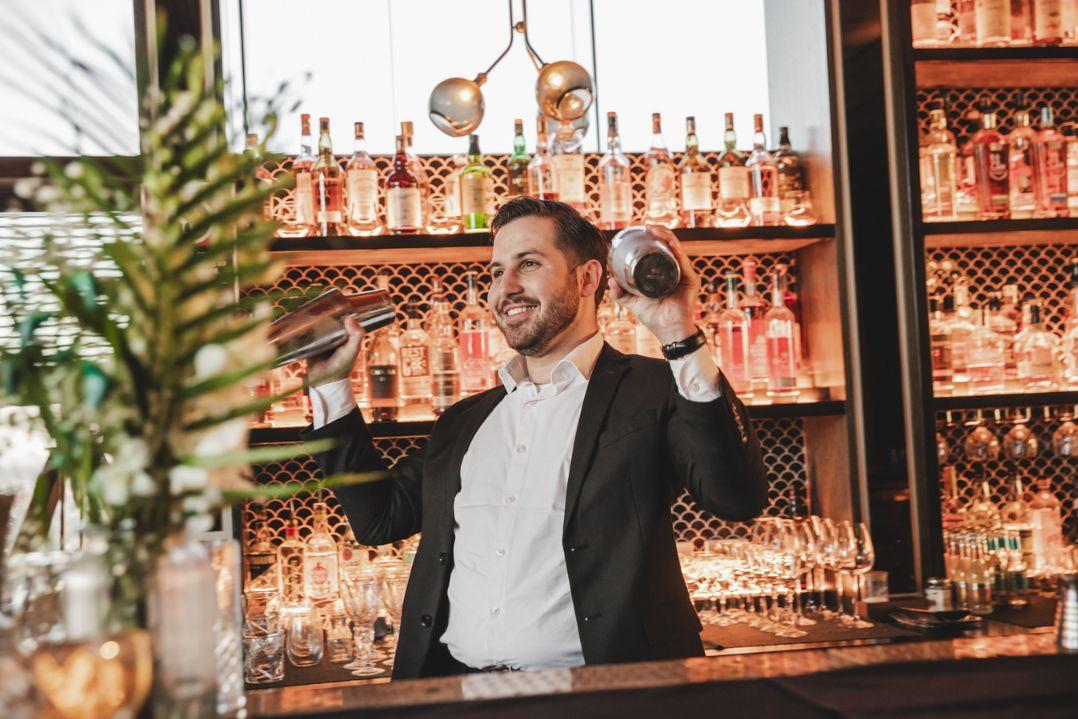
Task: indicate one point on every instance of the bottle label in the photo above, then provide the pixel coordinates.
(764, 205)
(993, 20)
(660, 190)
(780, 360)
(474, 194)
(382, 382)
(732, 344)
(415, 361)
(258, 564)
(517, 184)
(304, 199)
(997, 162)
(403, 208)
(363, 193)
(569, 177)
(329, 200)
(1047, 19)
(446, 387)
(923, 22)
(319, 577)
(696, 191)
(734, 182)
(615, 201)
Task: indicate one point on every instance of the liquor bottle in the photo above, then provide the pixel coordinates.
(1070, 135)
(320, 577)
(567, 162)
(939, 340)
(474, 341)
(1010, 307)
(754, 308)
(984, 514)
(940, 156)
(967, 23)
(445, 367)
(404, 198)
(261, 573)
(415, 166)
(923, 23)
(1050, 168)
(733, 340)
(475, 189)
(695, 178)
(361, 181)
(993, 22)
(733, 208)
(383, 377)
(1021, 22)
(1048, 21)
(990, 156)
(615, 189)
(985, 358)
(959, 336)
(1006, 329)
(1047, 520)
(791, 171)
(660, 184)
(968, 205)
(541, 169)
(517, 165)
(782, 366)
(300, 221)
(763, 178)
(620, 331)
(290, 560)
(793, 301)
(415, 365)
(327, 185)
(1020, 150)
(1016, 510)
(953, 508)
(1069, 343)
(352, 557)
(1038, 354)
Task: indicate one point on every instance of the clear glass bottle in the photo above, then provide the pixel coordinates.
(383, 377)
(567, 161)
(1020, 150)
(763, 179)
(791, 171)
(985, 358)
(1048, 21)
(990, 157)
(993, 22)
(261, 571)
(923, 23)
(1005, 329)
(941, 155)
(361, 181)
(967, 23)
(968, 205)
(732, 337)
(959, 336)
(404, 197)
(474, 341)
(615, 187)
(1038, 354)
(1047, 518)
(290, 560)
(660, 183)
(300, 221)
(1070, 137)
(695, 178)
(733, 210)
(352, 557)
(327, 184)
(540, 169)
(1069, 343)
(782, 351)
(516, 184)
(320, 577)
(620, 331)
(445, 365)
(475, 189)
(754, 308)
(1050, 167)
(954, 507)
(940, 341)
(1021, 22)
(415, 364)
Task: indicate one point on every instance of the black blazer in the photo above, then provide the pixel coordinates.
(638, 444)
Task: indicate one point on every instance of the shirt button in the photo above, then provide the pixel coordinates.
(500, 552)
(521, 449)
(510, 499)
(496, 611)
(695, 386)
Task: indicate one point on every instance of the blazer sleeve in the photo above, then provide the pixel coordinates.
(716, 454)
(381, 511)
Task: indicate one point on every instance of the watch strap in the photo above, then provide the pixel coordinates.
(685, 347)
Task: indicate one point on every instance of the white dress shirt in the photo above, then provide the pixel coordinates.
(509, 600)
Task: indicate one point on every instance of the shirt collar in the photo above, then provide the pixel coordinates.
(578, 363)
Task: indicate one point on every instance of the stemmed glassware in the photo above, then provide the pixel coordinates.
(362, 595)
(394, 586)
(981, 445)
(859, 556)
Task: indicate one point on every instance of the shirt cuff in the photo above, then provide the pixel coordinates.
(331, 401)
(697, 376)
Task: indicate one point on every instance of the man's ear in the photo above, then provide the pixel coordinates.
(590, 277)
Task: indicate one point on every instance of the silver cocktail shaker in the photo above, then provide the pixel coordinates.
(642, 263)
(317, 326)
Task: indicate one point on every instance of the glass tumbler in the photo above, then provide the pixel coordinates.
(305, 637)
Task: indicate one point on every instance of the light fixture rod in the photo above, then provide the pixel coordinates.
(482, 77)
(527, 41)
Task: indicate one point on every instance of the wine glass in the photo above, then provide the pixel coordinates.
(1065, 438)
(864, 558)
(845, 560)
(362, 594)
(1020, 442)
(981, 445)
(802, 543)
(825, 560)
(393, 588)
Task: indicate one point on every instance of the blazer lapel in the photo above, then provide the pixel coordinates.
(609, 369)
(469, 424)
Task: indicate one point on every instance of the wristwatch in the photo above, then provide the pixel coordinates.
(685, 347)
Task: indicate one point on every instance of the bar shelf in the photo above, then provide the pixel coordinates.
(996, 67)
(1009, 399)
(1001, 233)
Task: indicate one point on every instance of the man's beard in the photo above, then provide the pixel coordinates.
(533, 337)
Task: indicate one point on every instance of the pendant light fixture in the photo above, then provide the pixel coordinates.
(563, 90)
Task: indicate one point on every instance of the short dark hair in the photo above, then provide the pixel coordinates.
(574, 235)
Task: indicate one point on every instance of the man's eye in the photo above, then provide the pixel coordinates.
(529, 263)
(496, 274)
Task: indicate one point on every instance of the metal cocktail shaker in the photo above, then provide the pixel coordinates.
(317, 326)
(642, 263)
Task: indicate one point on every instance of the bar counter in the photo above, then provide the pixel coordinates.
(1008, 675)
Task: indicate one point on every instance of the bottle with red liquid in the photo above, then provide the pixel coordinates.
(991, 161)
(754, 308)
(1050, 167)
(782, 351)
(404, 196)
(732, 336)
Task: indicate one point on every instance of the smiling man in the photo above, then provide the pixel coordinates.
(544, 503)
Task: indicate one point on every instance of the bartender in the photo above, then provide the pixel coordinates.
(544, 503)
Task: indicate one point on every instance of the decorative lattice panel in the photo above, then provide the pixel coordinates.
(960, 102)
(438, 167)
(1039, 270)
(1000, 473)
(782, 439)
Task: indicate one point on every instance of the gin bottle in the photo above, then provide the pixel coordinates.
(1038, 354)
(290, 561)
(1050, 168)
(763, 179)
(320, 578)
(615, 189)
(754, 308)
(733, 340)
(261, 573)
(782, 366)
(940, 158)
(660, 184)
(474, 342)
(1021, 142)
(991, 161)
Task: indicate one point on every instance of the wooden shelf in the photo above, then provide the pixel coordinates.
(996, 67)
(999, 233)
(1018, 399)
(413, 428)
(475, 246)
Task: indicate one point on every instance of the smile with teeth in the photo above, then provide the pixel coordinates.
(515, 310)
